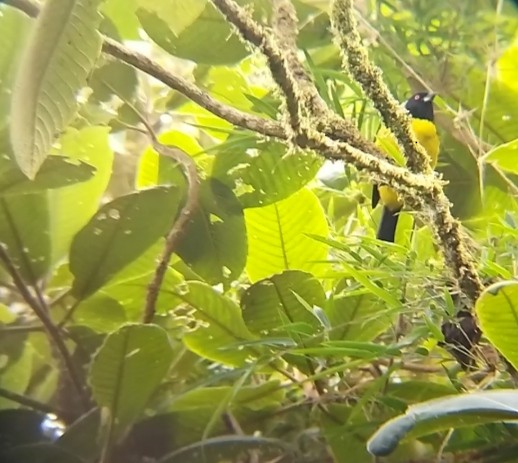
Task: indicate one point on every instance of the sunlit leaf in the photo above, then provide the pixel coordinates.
(221, 326)
(55, 64)
(277, 236)
(497, 310)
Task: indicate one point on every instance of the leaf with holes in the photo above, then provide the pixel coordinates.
(214, 244)
(25, 231)
(221, 326)
(58, 57)
(277, 236)
(120, 232)
(262, 173)
(127, 369)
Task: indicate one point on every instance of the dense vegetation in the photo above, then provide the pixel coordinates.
(189, 269)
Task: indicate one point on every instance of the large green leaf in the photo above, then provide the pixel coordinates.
(191, 43)
(282, 303)
(120, 232)
(122, 14)
(127, 369)
(89, 145)
(56, 172)
(177, 14)
(262, 173)
(497, 311)
(505, 156)
(14, 26)
(56, 62)
(445, 413)
(214, 244)
(220, 329)
(100, 313)
(129, 286)
(25, 231)
(277, 236)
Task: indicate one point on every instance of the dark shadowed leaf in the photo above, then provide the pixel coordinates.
(55, 172)
(214, 244)
(120, 232)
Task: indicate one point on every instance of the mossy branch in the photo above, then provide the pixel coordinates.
(370, 78)
(447, 229)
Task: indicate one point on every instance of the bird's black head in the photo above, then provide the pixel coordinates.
(420, 105)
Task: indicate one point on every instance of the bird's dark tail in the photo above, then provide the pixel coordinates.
(387, 228)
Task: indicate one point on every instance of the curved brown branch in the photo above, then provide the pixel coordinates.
(193, 190)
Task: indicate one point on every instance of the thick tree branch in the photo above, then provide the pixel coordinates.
(447, 229)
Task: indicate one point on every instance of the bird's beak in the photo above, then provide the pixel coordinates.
(429, 97)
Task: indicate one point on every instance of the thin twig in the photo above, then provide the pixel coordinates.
(188, 167)
(50, 328)
(28, 402)
(193, 191)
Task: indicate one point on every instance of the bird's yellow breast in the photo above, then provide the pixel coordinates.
(426, 133)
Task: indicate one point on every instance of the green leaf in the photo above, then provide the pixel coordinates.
(358, 317)
(210, 27)
(120, 232)
(14, 26)
(223, 448)
(273, 304)
(55, 64)
(127, 369)
(505, 156)
(89, 145)
(277, 236)
(177, 14)
(196, 414)
(16, 373)
(214, 244)
(24, 230)
(445, 413)
(129, 286)
(100, 313)
(122, 14)
(220, 327)
(261, 173)
(497, 311)
(56, 172)
(113, 78)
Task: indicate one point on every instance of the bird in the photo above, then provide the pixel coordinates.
(420, 108)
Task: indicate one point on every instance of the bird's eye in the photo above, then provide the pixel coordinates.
(417, 97)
